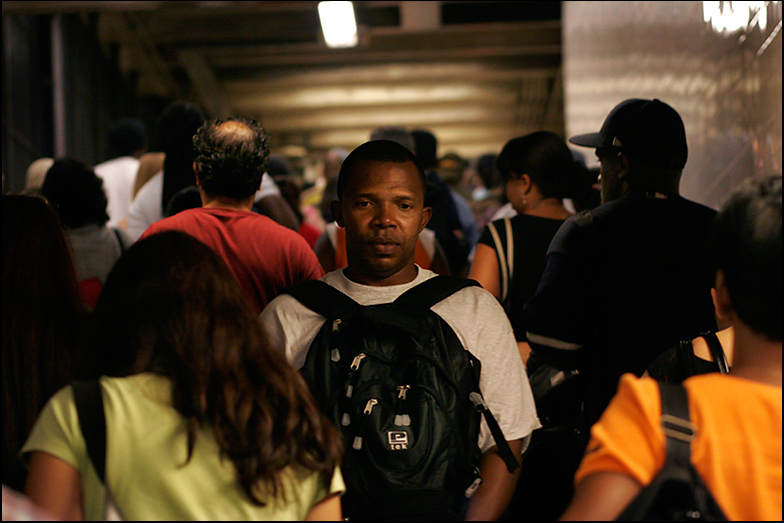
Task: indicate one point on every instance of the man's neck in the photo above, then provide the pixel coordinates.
(224, 202)
(363, 278)
(756, 357)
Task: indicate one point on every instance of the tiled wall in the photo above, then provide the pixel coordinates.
(725, 84)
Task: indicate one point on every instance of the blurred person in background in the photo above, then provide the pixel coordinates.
(127, 143)
(76, 193)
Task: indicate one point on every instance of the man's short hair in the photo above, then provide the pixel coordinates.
(376, 151)
(746, 247)
(231, 156)
(76, 193)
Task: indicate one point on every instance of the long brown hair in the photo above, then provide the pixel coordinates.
(42, 320)
(172, 306)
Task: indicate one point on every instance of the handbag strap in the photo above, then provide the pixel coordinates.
(717, 351)
(88, 399)
(505, 253)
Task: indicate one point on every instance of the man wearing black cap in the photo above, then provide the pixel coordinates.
(628, 279)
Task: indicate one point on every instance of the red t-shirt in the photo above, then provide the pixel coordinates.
(264, 256)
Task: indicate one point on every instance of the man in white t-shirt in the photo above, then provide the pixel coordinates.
(127, 142)
(381, 206)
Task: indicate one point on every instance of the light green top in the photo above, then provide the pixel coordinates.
(146, 449)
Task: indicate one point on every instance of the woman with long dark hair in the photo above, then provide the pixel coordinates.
(43, 320)
(204, 420)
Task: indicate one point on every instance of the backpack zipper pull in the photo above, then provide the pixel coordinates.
(402, 390)
(372, 402)
(475, 485)
(357, 360)
(336, 324)
(478, 401)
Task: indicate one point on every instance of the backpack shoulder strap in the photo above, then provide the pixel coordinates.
(322, 298)
(119, 239)
(676, 422)
(432, 291)
(88, 399)
(717, 351)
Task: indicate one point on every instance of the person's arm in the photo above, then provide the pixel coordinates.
(328, 509)
(601, 497)
(54, 485)
(485, 270)
(498, 485)
(149, 164)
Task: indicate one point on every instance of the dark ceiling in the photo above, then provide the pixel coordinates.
(476, 73)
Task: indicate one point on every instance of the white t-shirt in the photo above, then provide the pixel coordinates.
(473, 313)
(118, 177)
(146, 206)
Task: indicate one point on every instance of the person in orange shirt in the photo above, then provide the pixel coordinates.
(737, 448)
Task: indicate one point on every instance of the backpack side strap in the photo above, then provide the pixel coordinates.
(504, 450)
(322, 298)
(88, 399)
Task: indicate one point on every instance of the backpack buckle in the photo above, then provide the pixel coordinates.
(678, 428)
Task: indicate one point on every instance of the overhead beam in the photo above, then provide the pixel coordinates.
(368, 95)
(140, 53)
(202, 77)
(386, 74)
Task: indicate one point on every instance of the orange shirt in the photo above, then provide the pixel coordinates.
(737, 450)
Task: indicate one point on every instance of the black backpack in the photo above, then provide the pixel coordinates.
(677, 492)
(404, 392)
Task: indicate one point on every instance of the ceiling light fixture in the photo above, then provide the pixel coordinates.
(338, 23)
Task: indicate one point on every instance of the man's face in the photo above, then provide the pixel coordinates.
(383, 211)
(610, 174)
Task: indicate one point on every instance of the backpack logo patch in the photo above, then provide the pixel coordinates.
(398, 440)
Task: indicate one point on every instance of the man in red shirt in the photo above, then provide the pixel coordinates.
(230, 158)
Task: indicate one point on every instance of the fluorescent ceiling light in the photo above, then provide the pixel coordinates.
(338, 23)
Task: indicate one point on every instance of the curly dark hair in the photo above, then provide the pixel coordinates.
(231, 156)
(76, 193)
(172, 306)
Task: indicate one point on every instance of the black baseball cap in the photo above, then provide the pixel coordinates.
(646, 130)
